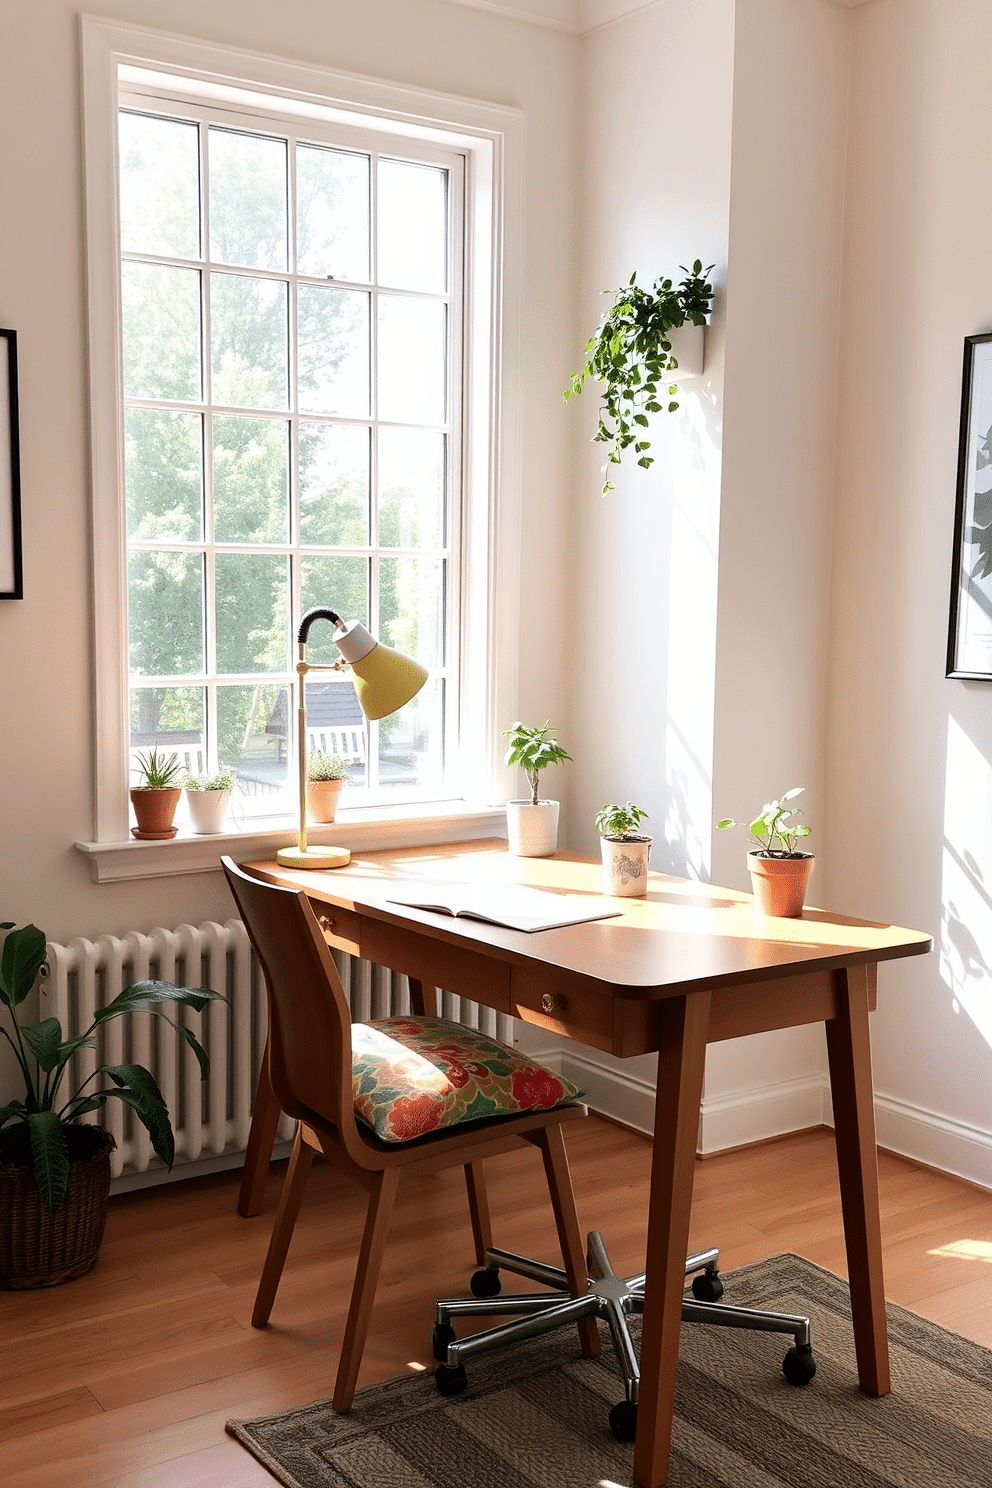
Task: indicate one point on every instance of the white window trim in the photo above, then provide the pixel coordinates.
(491, 137)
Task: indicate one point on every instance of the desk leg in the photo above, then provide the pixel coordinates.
(684, 1024)
(423, 998)
(849, 1054)
(261, 1136)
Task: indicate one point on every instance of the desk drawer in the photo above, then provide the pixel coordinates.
(539, 995)
(453, 968)
(341, 927)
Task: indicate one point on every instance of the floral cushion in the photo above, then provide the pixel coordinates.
(413, 1075)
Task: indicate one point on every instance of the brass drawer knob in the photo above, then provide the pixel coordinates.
(326, 923)
(552, 1003)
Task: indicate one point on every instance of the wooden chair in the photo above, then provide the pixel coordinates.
(310, 1061)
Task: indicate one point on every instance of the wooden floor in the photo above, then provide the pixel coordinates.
(127, 1376)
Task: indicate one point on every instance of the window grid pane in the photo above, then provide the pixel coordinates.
(277, 510)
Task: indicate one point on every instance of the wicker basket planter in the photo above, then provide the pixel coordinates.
(38, 1249)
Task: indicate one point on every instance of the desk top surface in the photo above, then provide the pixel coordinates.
(683, 935)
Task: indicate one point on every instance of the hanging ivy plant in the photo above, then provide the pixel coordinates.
(631, 353)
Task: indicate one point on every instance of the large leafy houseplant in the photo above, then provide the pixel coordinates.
(45, 1115)
(631, 356)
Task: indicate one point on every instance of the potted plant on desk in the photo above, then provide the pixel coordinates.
(779, 875)
(625, 850)
(54, 1168)
(532, 824)
(208, 798)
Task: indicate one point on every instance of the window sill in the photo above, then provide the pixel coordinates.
(360, 830)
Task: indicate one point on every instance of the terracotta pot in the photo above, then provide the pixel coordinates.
(208, 810)
(625, 866)
(38, 1249)
(780, 884)
(155, 810)
(532, 830)
(322, 799)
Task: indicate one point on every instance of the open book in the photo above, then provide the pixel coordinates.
(514, 905)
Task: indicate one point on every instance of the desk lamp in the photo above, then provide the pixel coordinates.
(384, 681)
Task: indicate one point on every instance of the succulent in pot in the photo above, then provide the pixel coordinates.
(779, 874)
(326, 774)
(532, 824)
(625, 850)
(156, 798)
(54, 1168)
(208, 798)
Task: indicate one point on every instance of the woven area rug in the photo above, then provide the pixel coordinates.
(536, 1416)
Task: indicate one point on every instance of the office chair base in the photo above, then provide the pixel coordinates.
(607, 1296)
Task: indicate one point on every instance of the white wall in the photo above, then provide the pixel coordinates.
(791, 70)
(45, 640)
(693, 127)
(909, 754)
(726, 142)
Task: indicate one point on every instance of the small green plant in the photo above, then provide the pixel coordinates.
(43, 1057)
(223, 780)
(775, 822)
(533, 749)
(322, 766)
(631, 355)
(158, 771)
(620, 823)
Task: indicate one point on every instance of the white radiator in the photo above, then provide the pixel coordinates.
(211, 1119)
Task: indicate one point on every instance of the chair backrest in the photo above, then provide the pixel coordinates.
(309, 1016)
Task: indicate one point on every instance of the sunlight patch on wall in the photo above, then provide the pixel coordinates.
(692, 637)
(966, 881)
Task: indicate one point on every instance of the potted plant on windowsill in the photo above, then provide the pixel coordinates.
(625, 850)
(779, 875)
(532, 824)
(208, 798)
(156, 798)
(633, 356)
(326, 774)
(54, 1169)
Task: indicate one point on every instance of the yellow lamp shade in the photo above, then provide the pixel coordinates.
(385, 680)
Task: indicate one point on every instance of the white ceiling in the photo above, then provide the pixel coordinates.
(580, 16)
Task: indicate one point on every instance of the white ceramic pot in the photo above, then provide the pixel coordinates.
(208, 810)
(625, 866)
(532, 830)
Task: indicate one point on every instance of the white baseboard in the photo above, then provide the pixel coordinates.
(765, 1111)
(940, 1142)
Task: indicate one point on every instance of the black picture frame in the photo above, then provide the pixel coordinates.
(969, 635)
(11, 570)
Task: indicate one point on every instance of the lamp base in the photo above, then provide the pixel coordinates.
(313, 857)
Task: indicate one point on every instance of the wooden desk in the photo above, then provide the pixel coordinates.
(688, 965)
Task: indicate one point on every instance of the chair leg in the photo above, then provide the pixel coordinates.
(363, 1293)
(282, 1230)
(478, 1206)
(552, 1145)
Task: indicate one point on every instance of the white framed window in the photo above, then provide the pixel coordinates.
(299, 289)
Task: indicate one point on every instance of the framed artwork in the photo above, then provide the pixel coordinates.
(969, 640)
(11, 580)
